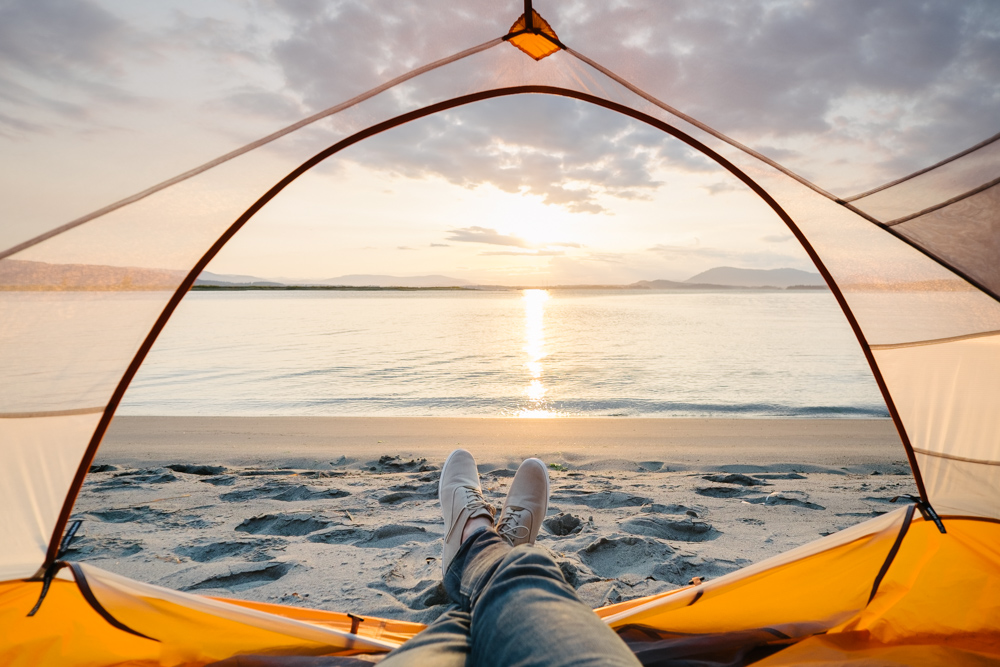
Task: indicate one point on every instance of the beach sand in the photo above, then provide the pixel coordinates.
(342, 513)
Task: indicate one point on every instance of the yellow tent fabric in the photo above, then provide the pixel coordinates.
(814, 603)
(914, 265)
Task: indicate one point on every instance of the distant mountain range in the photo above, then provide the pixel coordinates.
(721, 277)
(733, 277)
(354, 280)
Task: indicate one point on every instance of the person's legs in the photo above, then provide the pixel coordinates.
(446, 640)
(445, 643)
(523, 611)
(515, 605)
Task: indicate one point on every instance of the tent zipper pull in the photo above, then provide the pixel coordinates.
(926, 510)
(58, 564)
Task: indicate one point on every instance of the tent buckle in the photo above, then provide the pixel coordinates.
(55, 566)
(926, 510)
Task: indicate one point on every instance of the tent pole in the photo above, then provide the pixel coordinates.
(528, 23)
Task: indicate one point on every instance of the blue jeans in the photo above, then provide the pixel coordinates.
(513, 608)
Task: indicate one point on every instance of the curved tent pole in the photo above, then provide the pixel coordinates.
(438, 107)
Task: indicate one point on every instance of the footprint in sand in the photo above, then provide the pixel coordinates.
(735, 478)
(383, 537)
(303, 492)
(241, 577)
(252, 550)
(132, 479)
(390, 464)
(415, 580)
(283, 525)
(794, 498)
(724, 491)
(88, 548)
(407, 492)
(683, 529)
(779, 475)
(612, 557)
(682, 569)
(203, 470)
(142, 514)
(393, 535)
(601, 499)
(283, 492)
(222, 480)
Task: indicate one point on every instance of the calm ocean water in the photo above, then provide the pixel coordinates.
(531, 353)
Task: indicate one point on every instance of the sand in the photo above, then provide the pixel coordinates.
(342, 513)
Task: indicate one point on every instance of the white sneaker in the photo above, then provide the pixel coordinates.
(526, 504)
(461, 499)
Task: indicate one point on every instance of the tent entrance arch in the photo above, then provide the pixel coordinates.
(913, 265)
(330, 151)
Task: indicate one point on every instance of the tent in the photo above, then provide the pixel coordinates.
(914, 265)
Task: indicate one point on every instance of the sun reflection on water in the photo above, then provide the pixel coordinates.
(534, 346)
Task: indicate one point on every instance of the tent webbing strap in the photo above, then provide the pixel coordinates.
(926, 510)
(53, 569)
(88, 594)
(891, 556)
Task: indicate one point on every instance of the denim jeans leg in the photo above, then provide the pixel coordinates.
(444, 642)
(525, 614)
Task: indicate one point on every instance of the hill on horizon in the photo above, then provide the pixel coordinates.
(373, 280)
(353, 280)
(733, 277)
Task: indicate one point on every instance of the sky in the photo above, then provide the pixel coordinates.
(101, 99)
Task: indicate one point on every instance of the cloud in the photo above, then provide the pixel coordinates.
(904, 83)
(823, 87)
(568, 153)
(486, 235)
(490, 236)
(440, 245)
(529, 253)
(57, 60)
(721, 187)
(777, 238)
(900, 83)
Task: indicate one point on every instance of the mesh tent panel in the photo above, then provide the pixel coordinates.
(931, 188)
(966, 234)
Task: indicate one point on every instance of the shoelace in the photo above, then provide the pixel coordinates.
(510, 526)
(474, 502)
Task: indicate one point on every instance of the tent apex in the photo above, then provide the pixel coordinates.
(533, 35)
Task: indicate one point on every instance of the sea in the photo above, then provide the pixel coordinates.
(531, 353)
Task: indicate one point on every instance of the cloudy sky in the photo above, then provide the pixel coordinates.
(101, 99)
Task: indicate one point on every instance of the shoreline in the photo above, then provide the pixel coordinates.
(598, 442)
